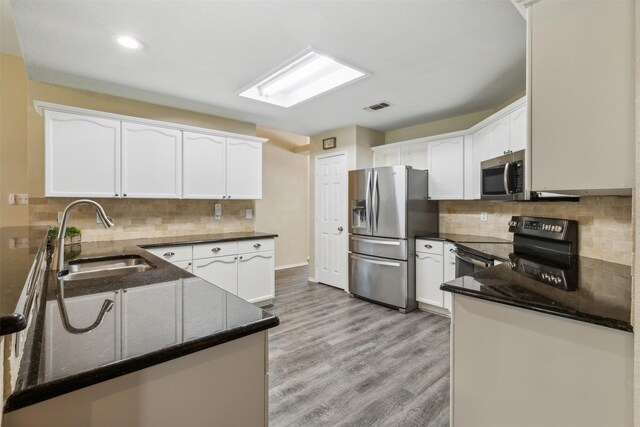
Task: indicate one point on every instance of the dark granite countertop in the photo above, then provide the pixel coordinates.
(157, 315)
(602, 297)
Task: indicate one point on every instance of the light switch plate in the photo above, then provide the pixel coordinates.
(484, 217)
(248, 213)
(217, 211)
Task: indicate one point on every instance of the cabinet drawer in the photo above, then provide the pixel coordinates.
(429, 246)
(249, 246)
(208, 250)
(172, 253)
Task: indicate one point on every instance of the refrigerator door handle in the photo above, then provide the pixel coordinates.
(371, 261)
(376, 201)
(367, 203)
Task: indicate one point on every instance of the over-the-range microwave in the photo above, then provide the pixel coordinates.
(502, 178)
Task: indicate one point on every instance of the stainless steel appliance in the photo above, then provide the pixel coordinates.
(468, 262)
(503, 178)
(546, 249)
(389, 206)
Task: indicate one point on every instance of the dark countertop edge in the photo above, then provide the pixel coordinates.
(447, 237)
(581, 317)
(185, 241)
(11, 323)
(40, 393)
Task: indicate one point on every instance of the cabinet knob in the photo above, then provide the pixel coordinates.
(168, 254)
(428, 246)
(257, 245)
(125, 194)
(240, 257)
(216, 249)
(116, 194)
(228, 197)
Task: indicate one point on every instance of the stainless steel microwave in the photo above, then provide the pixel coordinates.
(502, 178)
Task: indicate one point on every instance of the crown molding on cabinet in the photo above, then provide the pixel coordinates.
(41, 106)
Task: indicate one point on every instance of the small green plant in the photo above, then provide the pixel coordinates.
(69, 232)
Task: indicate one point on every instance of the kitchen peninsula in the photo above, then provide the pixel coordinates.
(162, 346)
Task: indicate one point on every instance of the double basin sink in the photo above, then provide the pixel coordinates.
(110, 266)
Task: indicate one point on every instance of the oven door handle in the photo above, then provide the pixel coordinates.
(505, 178)
(471, 260)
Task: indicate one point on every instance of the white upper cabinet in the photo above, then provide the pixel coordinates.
(481, 152)
(582, 78)
(518, 126)
(244, 169)
(95, 154)
(446, 169)
(151, 161)
(416, 156)
(204, 175)
(499, 137)
(82, 156)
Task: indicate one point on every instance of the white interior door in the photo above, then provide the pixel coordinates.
(331, 220)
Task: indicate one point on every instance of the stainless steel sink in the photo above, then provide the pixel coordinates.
(93, 268)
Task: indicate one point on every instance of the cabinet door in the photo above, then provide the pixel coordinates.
(151, 161)
(386, 158)
(82, 156)
(98, 346)
(203, 166)
(244, 169)
(449, 271)
(204, 308)
(481, 152)
(416, 156)
(499, 137)
(256, 277)
(151, 317)
(429, 277)
(518, 119)
(221, 271)
(446, 169)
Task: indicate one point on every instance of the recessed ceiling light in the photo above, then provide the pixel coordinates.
(129, 42)
(309, 75)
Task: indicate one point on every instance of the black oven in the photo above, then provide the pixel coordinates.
(469, 262)
(502, 178)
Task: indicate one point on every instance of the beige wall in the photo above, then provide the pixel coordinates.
(357, 142)
(13, 139)
(284, 208)
(447, 125)
(636, 270)
(605, 226)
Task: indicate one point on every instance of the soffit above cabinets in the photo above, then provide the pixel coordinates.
(429, 59)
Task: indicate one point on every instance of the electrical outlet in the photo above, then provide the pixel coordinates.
(248, 213)
(484, 217)
(22, 199)
(22, 243)
(12, 199)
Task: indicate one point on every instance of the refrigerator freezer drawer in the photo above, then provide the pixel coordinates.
(375, 246)
(378, 279)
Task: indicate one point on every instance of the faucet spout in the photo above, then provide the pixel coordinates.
(106, 221)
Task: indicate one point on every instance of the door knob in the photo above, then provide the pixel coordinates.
(340, 229)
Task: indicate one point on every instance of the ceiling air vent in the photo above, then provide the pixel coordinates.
(376, 107)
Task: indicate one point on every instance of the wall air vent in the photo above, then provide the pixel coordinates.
(376, 107)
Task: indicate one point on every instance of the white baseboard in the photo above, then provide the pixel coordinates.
(313, 279)
(282, 267)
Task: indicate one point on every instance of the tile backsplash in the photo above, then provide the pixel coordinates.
(146, 218)
(604, 223)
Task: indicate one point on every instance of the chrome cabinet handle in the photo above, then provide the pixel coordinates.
(168, 254)
(428, 246)
(216, 249)
(255, 256)
(257, 245)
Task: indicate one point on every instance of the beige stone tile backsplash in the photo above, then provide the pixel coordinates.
(604, 223)
(146, 218)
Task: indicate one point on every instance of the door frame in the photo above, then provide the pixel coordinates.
(316, 158)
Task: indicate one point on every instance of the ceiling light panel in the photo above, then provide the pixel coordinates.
(128, 42)
(304, 78)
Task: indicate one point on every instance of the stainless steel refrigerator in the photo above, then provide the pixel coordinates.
(389, 207)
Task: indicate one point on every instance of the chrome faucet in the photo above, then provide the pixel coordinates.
(106, 221)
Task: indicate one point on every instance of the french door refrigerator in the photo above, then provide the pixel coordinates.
(389, 207)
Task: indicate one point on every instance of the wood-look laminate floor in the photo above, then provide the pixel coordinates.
(340, 361)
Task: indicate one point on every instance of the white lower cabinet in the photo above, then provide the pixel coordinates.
(256, 280)
(245, 268)
(430, 271)
(151, 317)
(221, 271)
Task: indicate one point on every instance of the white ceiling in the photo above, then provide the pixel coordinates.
(429, 59)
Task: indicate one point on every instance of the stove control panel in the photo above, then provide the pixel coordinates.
(550, 228)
